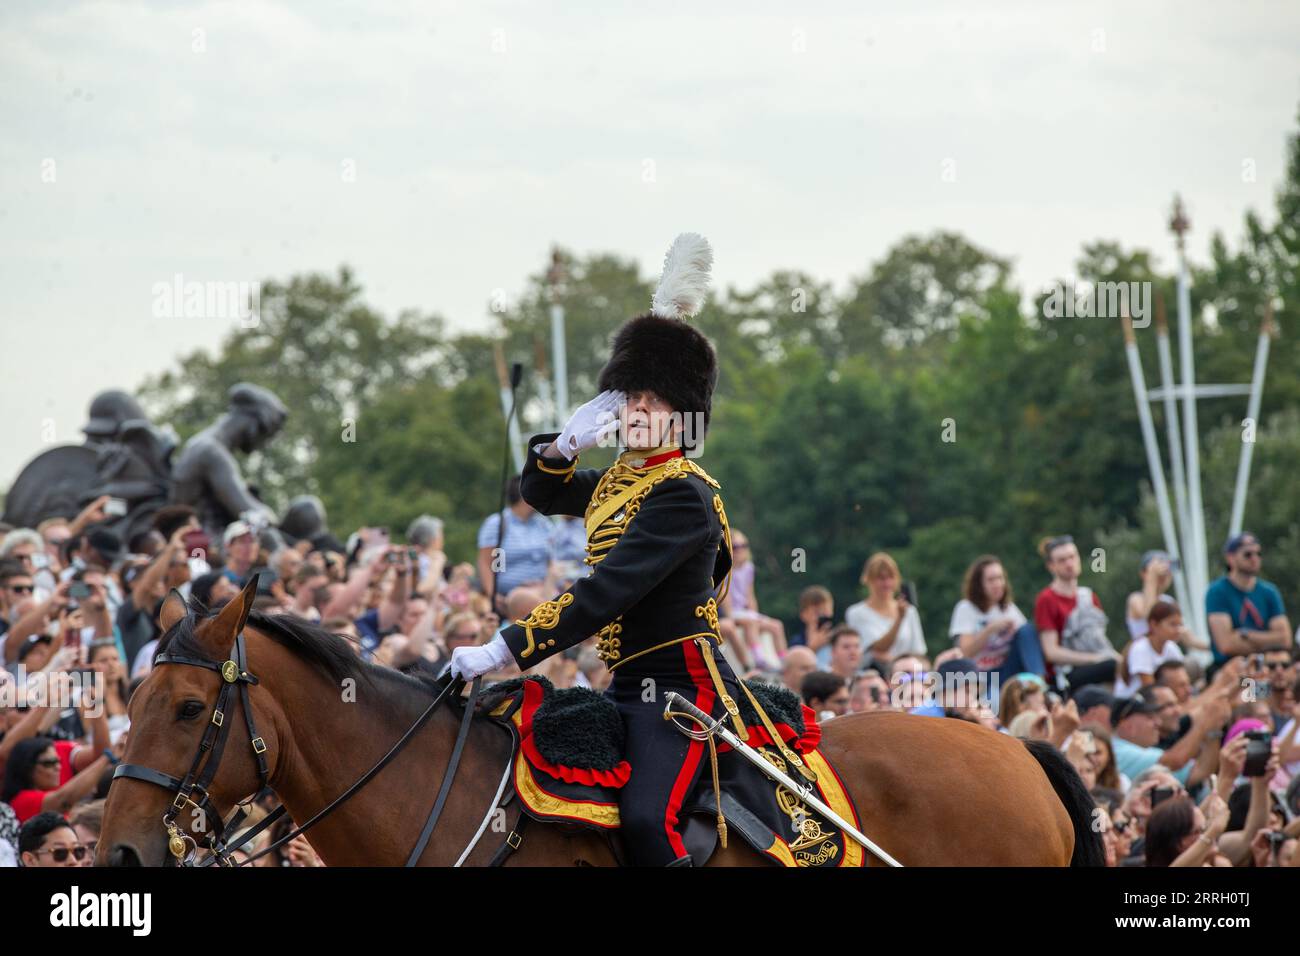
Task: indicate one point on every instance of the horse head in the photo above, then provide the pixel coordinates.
(188, 712)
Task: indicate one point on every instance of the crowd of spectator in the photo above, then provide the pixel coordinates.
(1188, 742)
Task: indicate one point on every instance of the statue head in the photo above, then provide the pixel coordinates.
(108, 410)
(305, 518)
(258, 412)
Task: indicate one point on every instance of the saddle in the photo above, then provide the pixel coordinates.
(568, 767)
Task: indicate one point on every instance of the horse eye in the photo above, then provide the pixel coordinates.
(191, 709)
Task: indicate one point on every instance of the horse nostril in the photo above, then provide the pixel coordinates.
(124, 855)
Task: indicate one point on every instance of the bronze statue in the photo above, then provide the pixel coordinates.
(207, 474)
(124, 455)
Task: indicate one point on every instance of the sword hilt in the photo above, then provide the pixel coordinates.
(677, 704)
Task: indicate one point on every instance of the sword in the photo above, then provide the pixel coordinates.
(803, 791)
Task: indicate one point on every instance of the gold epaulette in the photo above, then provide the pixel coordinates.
(699, 472)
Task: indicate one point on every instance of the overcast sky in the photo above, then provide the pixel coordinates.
(441, 148)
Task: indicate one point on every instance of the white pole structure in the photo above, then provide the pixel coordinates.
(1195, 550)
(1172, 429)
(1152, 446)
(554, 277)
(1252, 416)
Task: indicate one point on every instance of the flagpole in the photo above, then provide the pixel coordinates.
(1252, 415)
(1157, 470)
(1172, 430)
(1195, 539)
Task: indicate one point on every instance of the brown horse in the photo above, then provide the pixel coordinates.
(929, 792)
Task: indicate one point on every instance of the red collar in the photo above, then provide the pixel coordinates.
(660, 459)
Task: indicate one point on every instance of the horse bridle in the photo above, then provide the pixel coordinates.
(234, 673)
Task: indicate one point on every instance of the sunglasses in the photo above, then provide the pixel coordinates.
(1253, 553)
(60, 853)
(21, 588)
(1055, 543)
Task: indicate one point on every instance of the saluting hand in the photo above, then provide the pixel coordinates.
(590, 424)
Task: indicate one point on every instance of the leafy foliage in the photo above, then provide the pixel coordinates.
(929, 411)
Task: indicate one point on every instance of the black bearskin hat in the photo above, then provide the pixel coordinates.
(659, 352)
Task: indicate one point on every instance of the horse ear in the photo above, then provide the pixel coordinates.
(173, 610)
(230, 622)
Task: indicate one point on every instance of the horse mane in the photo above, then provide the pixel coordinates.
(328, 653)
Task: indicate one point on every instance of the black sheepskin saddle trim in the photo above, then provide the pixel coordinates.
(578, 727)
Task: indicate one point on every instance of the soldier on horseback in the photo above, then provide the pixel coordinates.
(659, 546)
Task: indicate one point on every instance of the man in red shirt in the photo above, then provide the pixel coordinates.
(1070, 620)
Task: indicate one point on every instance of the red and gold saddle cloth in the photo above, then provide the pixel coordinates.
(569, 767)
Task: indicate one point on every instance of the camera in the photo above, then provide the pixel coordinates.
(1159, 795)
(114, 508)
(1258, 749)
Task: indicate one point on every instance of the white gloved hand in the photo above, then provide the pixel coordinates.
(590, 424)
(470, 662)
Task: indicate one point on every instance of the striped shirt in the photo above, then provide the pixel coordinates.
(526, 548)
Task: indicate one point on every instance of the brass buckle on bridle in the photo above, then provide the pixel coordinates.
(177, 841)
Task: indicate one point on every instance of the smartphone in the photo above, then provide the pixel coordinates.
(909, 592)
(40, 561)
(825, 621)
(1259, 748)
(114, 508)
(79, 591)
(72, 637)
(412, 555)
(1159, 795)
(392, 557)
(196, 540)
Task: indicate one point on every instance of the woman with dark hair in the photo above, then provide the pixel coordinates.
(32, 779)
(104, 657)
(1179, 833)
(986, 619)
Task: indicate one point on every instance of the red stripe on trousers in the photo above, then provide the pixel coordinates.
(704, 696)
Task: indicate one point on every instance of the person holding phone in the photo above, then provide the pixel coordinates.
(890, 626)
(1180, 833)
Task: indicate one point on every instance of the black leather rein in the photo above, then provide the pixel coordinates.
(193, 789)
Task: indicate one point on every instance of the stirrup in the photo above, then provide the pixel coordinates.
(686, 860)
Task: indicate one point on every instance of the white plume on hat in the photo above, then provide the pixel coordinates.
(685, 279)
